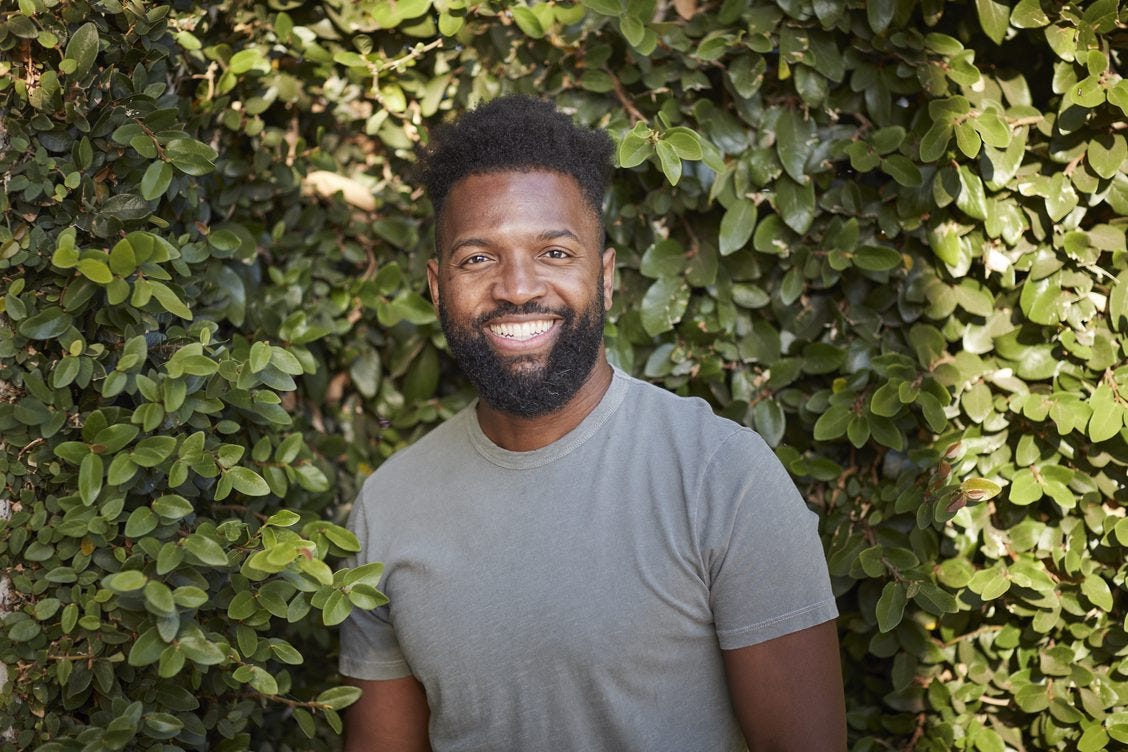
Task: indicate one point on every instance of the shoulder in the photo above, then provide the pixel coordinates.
(411, 466)
(671, 418)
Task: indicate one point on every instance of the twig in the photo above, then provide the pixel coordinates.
(621, 94)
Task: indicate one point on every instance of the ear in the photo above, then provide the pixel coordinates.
(433, 282)
(608, 277)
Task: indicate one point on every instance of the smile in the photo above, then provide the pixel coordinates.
(521, 330)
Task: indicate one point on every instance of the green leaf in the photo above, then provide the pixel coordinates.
(1097, 591)
(146, 649)
(337, 608)
(127, 581)
(82, 48)
(605, 7)
(671, 162)
(527, 21)
(685, 141)
(1107, 153)
(205, 549)
(795, 140)
(632, 30)
(339, 698)
(877, 258)
(172, 507)
(890, 606)
(95, 270)
(795, 204)
(141, 522)
(169, 300)
(1107, 418)
(156, 180)
(737, 225)
(47, 324)
(159, 599)
(90, 474)
(190, 156)
(663, 305)
(247, 481)
(833, 423)
(993, 17)
(901, 169)
(935, 141)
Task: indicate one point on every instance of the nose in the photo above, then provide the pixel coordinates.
(518, 280)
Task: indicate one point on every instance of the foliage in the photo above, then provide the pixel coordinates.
(888, 235)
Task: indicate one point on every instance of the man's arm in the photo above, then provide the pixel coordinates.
(391, 716)
(787, 692)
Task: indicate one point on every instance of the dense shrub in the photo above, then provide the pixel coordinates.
(888, 235)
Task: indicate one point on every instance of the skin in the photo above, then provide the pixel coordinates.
(528, 236)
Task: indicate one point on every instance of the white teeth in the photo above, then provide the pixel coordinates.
(521, 330)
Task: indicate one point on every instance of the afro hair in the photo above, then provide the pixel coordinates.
(516, 133)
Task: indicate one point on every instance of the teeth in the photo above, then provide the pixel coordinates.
(522, 330)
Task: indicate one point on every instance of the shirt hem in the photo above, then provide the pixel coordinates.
(808, 616)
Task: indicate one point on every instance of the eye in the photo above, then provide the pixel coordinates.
(557, 253)
(476, 258)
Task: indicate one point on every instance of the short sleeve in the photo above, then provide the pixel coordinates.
(760, 547)
(369, 648)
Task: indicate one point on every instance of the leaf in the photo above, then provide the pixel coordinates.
(337, 608)
(671, 162)
(82, 48)
(47, 324)
(190, 156)
(686, 142)
(527, 21)
(1097, 591)
(95, 270)
(605, 7)
(833, 423)
(993, 17)
(901, 169)
(90, 478)
(663, 305)
(146, 649)
(127, 581)
(795, 139)
(247, 481)
(935, 141)
(737, 225)
(877, 258)
(205, 549)
(169, 300)
(339, 698)
(1107, 154)
(632, 30)
(156, 180)
(890, 606)
(795, 204)
(1107, 418)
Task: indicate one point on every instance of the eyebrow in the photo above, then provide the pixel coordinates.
(542, 236)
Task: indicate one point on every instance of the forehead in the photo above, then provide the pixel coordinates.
(513, 202)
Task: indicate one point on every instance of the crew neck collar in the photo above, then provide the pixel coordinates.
(563, 446)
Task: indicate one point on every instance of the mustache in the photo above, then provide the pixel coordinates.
(525, 309)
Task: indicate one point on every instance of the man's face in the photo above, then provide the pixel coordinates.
(521, 285)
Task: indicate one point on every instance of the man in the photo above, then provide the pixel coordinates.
(579, 560)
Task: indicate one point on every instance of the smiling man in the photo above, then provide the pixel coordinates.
(579, 560)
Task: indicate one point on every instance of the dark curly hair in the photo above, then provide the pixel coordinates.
(516, 133)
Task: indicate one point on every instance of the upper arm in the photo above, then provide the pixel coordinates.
(390, 716)
(787, 692)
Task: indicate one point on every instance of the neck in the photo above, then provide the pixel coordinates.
(520, 434)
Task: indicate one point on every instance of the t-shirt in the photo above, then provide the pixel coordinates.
(578, 597)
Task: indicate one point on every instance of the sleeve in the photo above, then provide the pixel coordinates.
(760, 546)
(369, 648)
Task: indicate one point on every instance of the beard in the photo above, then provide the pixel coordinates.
(524, 385)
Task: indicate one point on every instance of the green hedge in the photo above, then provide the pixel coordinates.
(888, 235)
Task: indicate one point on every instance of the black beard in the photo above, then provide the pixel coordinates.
(517, 385)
